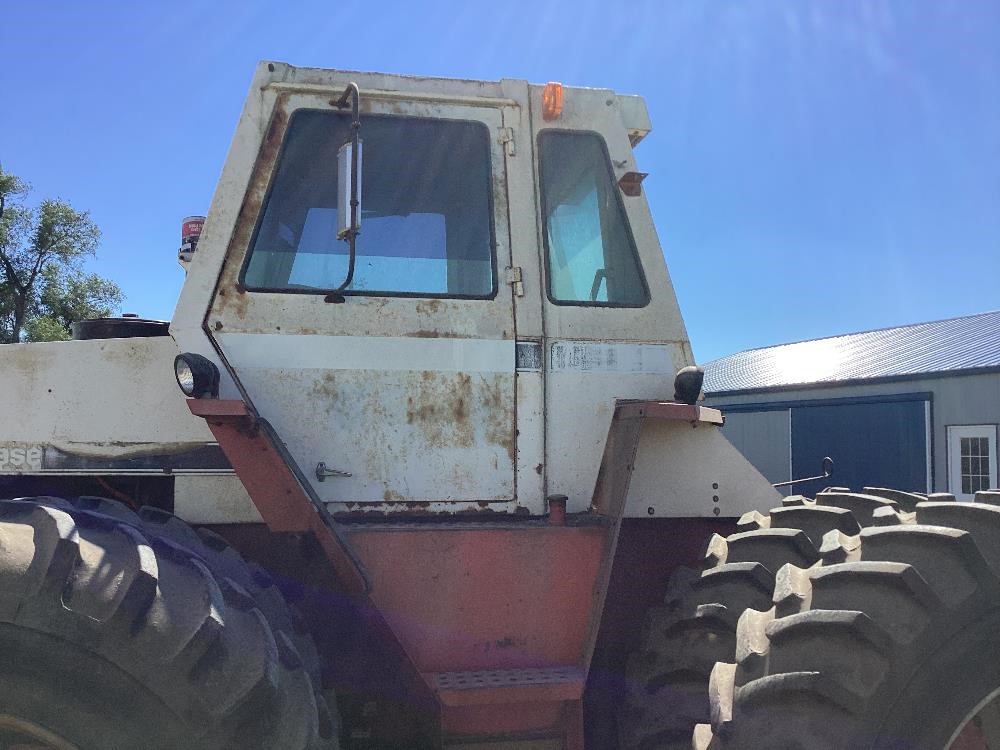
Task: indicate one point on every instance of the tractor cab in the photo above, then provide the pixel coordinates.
(461, 346)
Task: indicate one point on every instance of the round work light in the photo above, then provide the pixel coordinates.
(196, 375)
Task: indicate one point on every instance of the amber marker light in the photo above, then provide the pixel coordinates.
(552, 101)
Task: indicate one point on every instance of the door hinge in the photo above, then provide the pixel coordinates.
(514, 279)
(506, 138)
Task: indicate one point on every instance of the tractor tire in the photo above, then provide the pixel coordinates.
(890, 642)
(666, 692)
(124, 630)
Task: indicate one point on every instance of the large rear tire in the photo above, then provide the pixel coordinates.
(116, 634)
(667, 678)
(891, 641)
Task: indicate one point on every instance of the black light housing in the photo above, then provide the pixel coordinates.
(197, 376)
(687, 384)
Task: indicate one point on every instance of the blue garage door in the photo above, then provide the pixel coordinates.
(875, 444)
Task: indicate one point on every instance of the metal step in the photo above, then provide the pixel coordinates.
(507, 685)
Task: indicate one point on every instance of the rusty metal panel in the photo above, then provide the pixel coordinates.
(399, 419)
(408, 400)
(530, 441)
(525, 241)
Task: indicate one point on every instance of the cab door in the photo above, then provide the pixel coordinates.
(401, 385)
(612, 326)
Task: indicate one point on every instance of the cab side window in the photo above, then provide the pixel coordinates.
(591, 255)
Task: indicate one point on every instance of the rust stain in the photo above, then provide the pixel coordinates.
(434, 334)
(419, 509)
(246, 220)
(460, 410)
(238, 302)
(428, 306)
(422, 413)
(391, 496)
(439, 407)
(325, 391)
(499, 423)
(494, 397)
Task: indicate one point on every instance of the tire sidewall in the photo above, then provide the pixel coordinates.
(946, 687)
(81, 697)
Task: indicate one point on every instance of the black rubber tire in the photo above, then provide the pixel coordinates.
(890, 642)
(667, 678)
(120, 630)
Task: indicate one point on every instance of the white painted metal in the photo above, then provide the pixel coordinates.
(523, 241)
(377, 353)
(99, 397)
(82, 408)
(691, 469)
(634, 116)
(219, 499)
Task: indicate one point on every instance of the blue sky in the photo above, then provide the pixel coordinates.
(816, 167)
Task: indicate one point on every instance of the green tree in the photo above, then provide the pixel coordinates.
(43, 287)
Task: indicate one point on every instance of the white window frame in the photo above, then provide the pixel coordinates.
(955, 435)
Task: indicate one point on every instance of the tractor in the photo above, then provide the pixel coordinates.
(419, 462)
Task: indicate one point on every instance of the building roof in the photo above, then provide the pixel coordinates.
(968, 343)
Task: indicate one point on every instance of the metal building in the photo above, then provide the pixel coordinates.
(915, 407)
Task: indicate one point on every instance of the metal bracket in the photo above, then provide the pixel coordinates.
(631, 183)
(514, 278)
(322, 472)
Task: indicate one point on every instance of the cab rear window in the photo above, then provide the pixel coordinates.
(590, 254)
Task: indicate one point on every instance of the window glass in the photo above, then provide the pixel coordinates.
(975, 456)
(592, 258)
(972, 459)
(425, 210)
